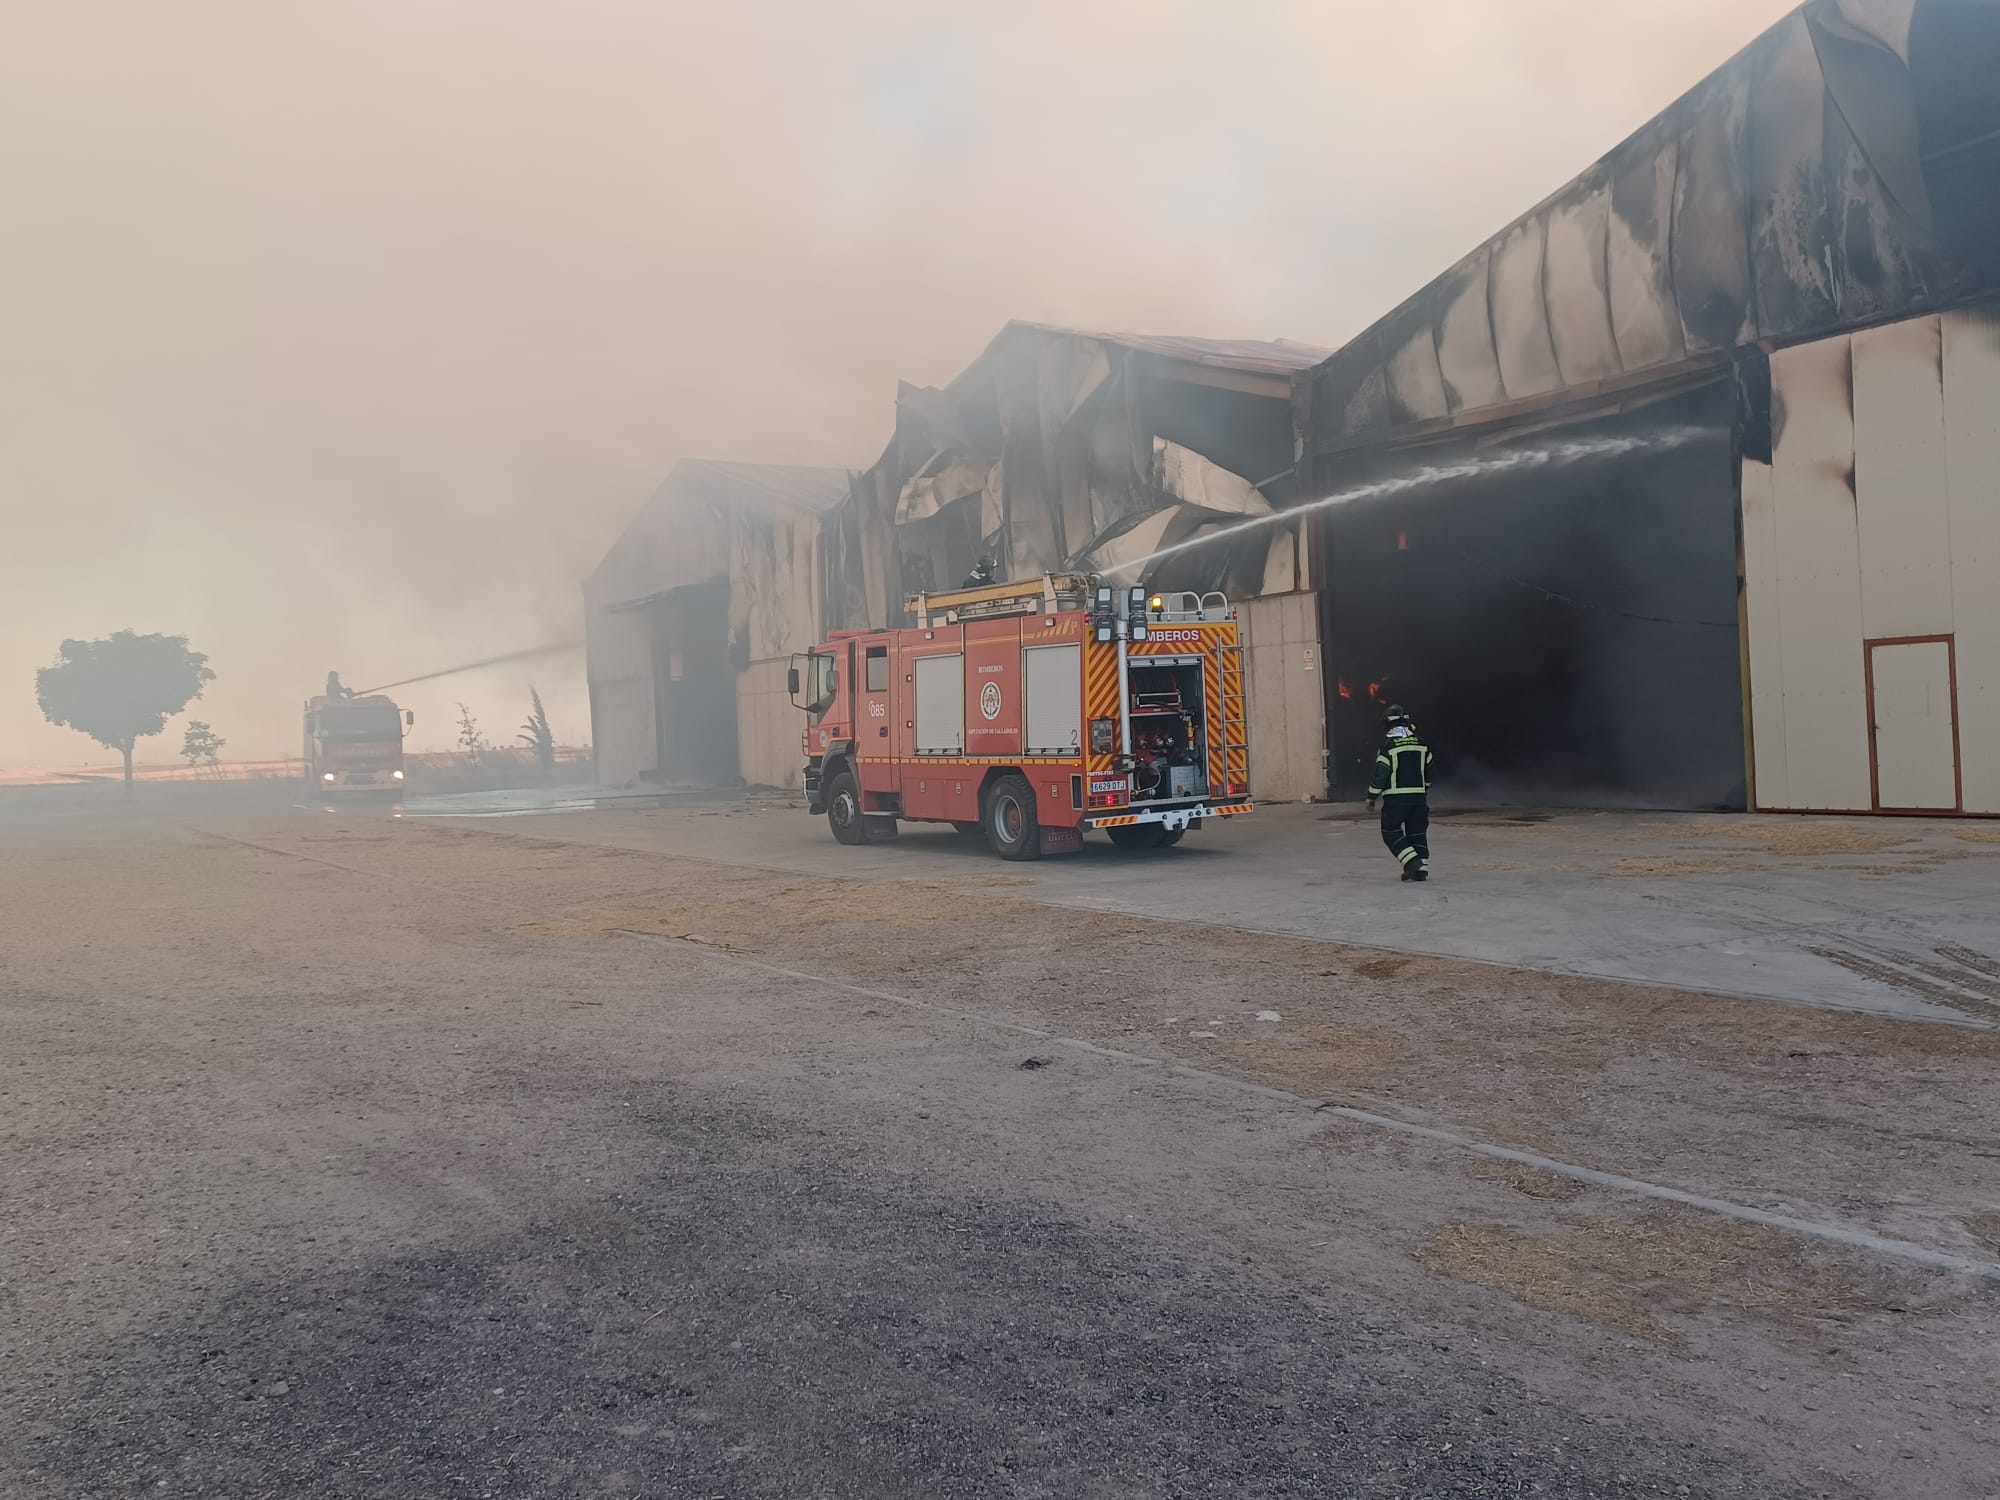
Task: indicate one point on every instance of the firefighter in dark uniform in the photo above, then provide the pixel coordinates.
(980, 576)
(1402, 784)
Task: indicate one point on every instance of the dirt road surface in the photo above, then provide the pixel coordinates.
(355, 1156)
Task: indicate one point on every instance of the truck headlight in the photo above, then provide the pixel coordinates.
(328, 776)
(395, 775)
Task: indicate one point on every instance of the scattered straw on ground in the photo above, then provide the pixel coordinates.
(1626, 1274)
(1801, 837)
(1986, 1229)
(1312, 1059)
(745, 916)
(1986, 834)
(1382, 968)
(1671, 866)
(1529, 1182)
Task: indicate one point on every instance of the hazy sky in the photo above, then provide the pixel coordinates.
(347, 333)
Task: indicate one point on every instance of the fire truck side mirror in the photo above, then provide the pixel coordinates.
(792, 681)
(409, 718)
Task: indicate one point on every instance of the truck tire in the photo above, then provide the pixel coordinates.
(1011, 829)
(1138, 836)
(843, 808)
(1168, 840)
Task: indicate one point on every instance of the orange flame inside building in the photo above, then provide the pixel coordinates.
(1345, 690)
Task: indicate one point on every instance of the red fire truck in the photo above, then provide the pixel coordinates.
(355, 744)
(1029, 713)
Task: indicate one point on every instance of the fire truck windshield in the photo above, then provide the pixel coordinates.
(361, 721)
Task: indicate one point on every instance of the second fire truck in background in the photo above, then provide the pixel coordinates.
(355, 744)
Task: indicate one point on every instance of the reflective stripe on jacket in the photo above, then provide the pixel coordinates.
(1403, 769)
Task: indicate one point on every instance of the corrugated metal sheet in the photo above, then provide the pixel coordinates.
(1899, 481)
(1878, 520)
(1971, 344)
(1819, 181)
(1766, 635)
(1819, 564)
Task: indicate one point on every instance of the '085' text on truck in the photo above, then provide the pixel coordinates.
(1029, 712)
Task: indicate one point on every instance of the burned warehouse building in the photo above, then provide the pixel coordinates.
(1061, 449)
(1707, 508)
(1055, 450)
(1681, 491)
(691, 620)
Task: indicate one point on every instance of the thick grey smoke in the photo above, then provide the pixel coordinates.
(348, 335)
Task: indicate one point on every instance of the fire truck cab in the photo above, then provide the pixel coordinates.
(1028, 713)
(355, 744)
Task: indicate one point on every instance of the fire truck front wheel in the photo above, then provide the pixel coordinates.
(843, 808)
(1011, 830)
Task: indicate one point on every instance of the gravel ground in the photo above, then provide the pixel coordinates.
(350, 1157)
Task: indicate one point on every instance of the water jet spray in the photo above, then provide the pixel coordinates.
(552, 649)
(1514, 461)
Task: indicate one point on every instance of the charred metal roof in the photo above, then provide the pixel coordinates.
(1843, 169)
(1251, 356)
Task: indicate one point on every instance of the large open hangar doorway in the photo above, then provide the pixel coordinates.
(1563, 631)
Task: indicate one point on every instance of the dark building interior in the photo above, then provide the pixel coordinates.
(694, 687)
(1561, 633)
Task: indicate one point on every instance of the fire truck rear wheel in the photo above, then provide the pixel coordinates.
(1168, 840)
(1011, 830)
(843, 808)
(1138, 836)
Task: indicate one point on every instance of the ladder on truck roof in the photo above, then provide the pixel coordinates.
(1043, 596)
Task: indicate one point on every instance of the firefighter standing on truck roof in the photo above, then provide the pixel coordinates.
(1402, 783)
(980, 576)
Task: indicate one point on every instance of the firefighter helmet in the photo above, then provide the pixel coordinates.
(1395, 714)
